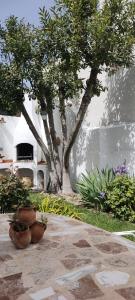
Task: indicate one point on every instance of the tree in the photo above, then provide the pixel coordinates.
(45, 62)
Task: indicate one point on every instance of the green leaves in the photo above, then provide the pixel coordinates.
(13, 193)
(56, 205)
(120, 198)
(108, 192)
(93, 185)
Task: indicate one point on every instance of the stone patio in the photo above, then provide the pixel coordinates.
(73, 261)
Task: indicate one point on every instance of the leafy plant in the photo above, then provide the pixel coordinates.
(93, 185)
(18, 226)
(13, 193)
(120, 198)
(56, 205)
(43, 219)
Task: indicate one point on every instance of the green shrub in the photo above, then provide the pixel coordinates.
(93, 185)
(55, 205)
(13, 193)
(120, 198)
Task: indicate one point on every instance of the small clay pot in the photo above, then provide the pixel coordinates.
(26, 215)
(37, 231)
(21, 239)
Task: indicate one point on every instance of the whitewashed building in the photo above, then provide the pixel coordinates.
(107, 136)
(18, 147)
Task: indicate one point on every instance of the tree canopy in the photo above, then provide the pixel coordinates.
(45, 62)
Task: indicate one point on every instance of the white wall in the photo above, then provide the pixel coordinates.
(7, 131)
(16, 131)
(107, 136)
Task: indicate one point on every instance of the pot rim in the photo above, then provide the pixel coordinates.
(39, 223)
(26, 208)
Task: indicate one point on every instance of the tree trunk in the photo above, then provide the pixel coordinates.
(51, 168)
(54, 142)
(89, 93)
(46, 106)
(49, 143)
(66, 184)
(35, 133)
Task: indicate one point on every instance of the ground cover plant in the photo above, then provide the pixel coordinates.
(90, 216)
(56, 205)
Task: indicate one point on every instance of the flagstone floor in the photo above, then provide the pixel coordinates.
(73, 261)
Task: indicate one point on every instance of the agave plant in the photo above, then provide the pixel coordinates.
(92, 186)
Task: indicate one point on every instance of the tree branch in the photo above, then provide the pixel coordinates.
(86, 99)
(63, 124)
(35, 133)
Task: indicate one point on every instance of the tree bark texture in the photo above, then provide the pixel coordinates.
(86, 99)
(66, 184)
(54, 141)
(51, 168)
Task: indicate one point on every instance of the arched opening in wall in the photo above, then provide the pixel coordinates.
(24, 151)
(3, 173)
(26, 175)
(40, 180)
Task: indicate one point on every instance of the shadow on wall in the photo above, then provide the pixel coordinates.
(114, 141)
(120, 101)
(85, 154)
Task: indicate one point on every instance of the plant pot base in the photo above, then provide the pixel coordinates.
(37, 232)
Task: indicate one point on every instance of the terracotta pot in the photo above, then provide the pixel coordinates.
(37, 231)
(22, 239)
(26, 215)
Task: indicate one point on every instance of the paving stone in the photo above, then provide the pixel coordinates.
(94, 231)
(82, 244)
(48, 244)
(76, 274)
(74, 263)
(4, 237)
(5, 257)
(117, 262)
(111, 247)
(63, 233)
(42, 294)
(71, 256)
(112, 278)
(87, 289)
(11, 286)
(127, 293)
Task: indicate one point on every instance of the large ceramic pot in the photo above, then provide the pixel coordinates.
(37, 231)
(20, 235)
(26, 215)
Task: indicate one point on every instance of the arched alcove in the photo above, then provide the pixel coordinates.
(26, 175)
(24, 151)
(40, 180)
(3, 173)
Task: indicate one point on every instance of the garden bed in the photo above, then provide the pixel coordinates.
(90, 216)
